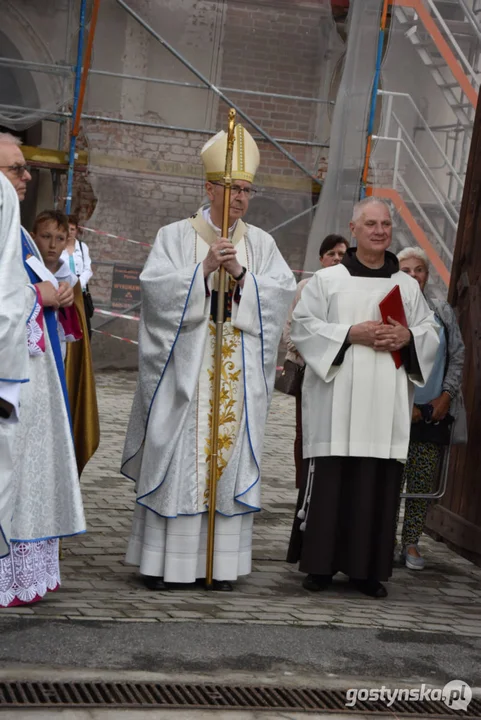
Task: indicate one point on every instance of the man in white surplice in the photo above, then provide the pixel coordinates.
(167, 448)
(356, 407)
(46, 502)
(13, 347)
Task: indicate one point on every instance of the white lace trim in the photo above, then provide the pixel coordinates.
(31, 569)
(34, 332)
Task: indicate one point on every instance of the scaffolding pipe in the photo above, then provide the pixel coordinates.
(62, 129)
(21, 111)
(198, 86)
(217, 91)
(86, 65)
(49, 115)
(78, 75)
(81, 75)
(57, 69)
(375, 88)
(161, 126)
(291, 219)
(47, 68)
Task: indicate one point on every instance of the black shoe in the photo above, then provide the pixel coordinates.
(315, 583)
(218, 585)
(370, 587)
(222, 586)
(154, 583)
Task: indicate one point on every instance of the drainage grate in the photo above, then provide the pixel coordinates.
(199, 696)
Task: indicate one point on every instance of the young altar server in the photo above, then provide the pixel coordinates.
(167, 449)
(356, 407)
(50, 233)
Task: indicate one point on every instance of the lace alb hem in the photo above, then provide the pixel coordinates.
(29, 571)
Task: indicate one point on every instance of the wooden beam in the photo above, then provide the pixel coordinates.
(52, 157)
(458, 517)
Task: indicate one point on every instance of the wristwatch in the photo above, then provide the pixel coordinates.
(239, 277)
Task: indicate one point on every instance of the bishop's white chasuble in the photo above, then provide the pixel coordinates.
(167, 450)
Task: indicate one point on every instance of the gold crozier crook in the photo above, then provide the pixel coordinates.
(214, 472)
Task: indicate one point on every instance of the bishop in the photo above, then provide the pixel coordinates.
(167, 449)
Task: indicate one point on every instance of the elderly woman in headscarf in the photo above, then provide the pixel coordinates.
(438, 413)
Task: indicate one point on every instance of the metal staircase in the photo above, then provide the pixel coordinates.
(461, 34)
(429, 164)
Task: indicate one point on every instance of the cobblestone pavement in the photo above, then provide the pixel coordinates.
(98, 585)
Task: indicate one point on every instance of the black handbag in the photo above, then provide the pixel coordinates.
(426, 431)
(290, 380)
(88, 302)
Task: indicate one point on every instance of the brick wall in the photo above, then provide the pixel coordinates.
(142, 178)
(275, 49)
(134, 198)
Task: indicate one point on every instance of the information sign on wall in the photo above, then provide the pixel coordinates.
(125, 286)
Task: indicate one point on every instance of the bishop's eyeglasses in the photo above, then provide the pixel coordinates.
(19, 170)
(249, 192)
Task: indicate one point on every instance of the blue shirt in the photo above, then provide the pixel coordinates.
(434, 385)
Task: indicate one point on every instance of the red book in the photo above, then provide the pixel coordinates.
(392, 307)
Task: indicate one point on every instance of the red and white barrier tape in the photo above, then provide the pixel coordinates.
(134, 342)
(144, 244)
(116, 237)
(117, 315)
(117, 337)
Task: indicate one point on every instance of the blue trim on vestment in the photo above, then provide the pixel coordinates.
(262, 332)
(6, 542)
(50, 322)
(50, 537)
(25, 380)
(158, 385)
(202, 512)
(35, 300)
(254, 508)
(236, 497)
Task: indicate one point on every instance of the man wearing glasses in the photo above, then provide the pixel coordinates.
(46, 504)
(167, 449)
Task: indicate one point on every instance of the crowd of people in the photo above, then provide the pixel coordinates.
(378, 397)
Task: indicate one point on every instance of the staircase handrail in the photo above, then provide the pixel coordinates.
(428, 130)
(421, 163)
(433, 189)
(453, 41)
(413, 226)
(443, 46)
(471, 17)
(426, 219)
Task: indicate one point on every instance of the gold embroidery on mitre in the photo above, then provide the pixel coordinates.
(245, 160)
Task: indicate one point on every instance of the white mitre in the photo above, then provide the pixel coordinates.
(245, 160)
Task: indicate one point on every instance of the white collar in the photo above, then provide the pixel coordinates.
(207, 217)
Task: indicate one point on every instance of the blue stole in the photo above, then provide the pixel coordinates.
(50, 319)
